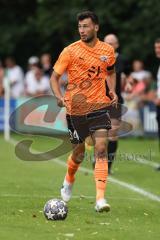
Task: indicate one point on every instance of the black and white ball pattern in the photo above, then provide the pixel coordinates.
(55, 209)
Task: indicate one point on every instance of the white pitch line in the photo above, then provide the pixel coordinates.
(129, 186)
(146, 162)
(132, 187)
(141, 160)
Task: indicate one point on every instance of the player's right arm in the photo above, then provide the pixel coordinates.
(55, 85)
(60, 67)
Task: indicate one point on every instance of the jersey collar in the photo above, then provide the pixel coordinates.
(90, 48)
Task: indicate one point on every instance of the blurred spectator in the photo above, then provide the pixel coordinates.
(1, 79)
(46, 64)
(157, 99)
(157, 52)
(138, 81)
(15, 76)
(134, 89)
(38, 84)
(139, 73)
(138, 85)
(149, 93)
(32, 64)
(32, 61)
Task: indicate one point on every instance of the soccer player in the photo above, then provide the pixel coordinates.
(121, 68)
(88, 62)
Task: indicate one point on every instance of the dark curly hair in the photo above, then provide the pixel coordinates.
(87, 14)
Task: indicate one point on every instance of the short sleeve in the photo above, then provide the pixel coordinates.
(111, 57)
(62, 63)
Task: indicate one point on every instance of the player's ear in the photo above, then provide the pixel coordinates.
(96, 27)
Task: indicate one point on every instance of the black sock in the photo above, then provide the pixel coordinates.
(112, 148)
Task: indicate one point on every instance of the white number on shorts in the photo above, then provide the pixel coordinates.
(73, 135)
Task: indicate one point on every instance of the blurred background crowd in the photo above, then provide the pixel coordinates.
(35, 79)
(31, 82)
(138, 85)
(38, 34)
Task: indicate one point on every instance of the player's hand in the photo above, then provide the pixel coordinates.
(114, 98)
(61, 102)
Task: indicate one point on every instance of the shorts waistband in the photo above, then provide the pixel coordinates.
(91, 114)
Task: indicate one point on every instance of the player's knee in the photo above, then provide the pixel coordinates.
(78, 153)
(78, 156)
(100, 149)
(100, 146)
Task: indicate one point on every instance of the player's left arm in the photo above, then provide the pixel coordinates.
(111, 78)
(111, 82)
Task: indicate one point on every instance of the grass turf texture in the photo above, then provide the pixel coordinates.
(26, 186)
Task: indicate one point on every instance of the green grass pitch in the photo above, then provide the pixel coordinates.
(26, 186)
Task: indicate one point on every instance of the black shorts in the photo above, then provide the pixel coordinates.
(82, 126)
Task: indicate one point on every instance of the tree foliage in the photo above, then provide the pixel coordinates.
(31, 27)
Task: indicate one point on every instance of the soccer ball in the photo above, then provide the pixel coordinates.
(55, 209)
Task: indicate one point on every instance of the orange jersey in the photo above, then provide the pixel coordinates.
(86, 68)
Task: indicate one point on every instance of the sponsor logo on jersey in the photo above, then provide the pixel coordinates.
(103, 58)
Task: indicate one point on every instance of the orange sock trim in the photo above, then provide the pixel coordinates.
(72, 168)
(100, 174)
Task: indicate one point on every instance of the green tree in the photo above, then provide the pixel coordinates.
(31, 27)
